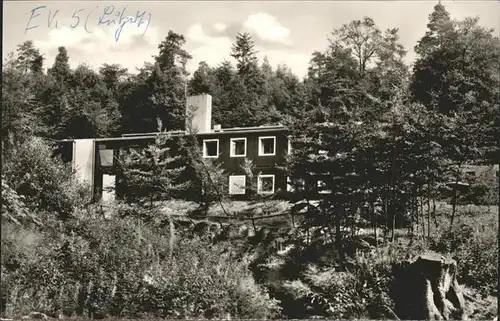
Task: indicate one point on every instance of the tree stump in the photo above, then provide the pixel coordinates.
(427, 289)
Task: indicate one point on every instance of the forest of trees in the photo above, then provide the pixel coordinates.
(388, 138)
(361, 76)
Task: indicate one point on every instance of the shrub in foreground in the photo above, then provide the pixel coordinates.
(97, 267)
(476, 252)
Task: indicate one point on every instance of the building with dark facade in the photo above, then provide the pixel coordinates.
(95, 160)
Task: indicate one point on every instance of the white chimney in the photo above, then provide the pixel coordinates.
(84, 160)
(217, 128)
(199, 113)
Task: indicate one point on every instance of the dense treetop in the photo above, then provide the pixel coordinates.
(360, 77)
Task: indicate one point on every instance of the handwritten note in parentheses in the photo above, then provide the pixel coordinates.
(89, 18)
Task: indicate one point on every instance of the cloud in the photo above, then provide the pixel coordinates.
(132, 49)
(208, 48)
(267, 28)
(220, 27)
(103, 37)
(97, 44)
(214, 49)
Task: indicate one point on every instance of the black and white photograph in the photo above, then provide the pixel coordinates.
(265, 160)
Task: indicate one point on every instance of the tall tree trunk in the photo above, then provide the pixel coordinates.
(412, 217)
(338, 231)
(421, 203)
(428, 211)
(393, 174)
(386, 220)
(374, 221)
(332, 234)
(434, 213)
(410, 221)
(353, 211)
(454, 201)
(415, 214)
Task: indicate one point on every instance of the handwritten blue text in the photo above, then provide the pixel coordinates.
(90, 17)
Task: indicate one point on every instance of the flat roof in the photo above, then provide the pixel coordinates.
(224, 131)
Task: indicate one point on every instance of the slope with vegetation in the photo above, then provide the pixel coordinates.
(388, 141)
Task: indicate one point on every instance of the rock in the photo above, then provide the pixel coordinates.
(243, 230)
(201, 228)
(427, 289)
(258, 211)
(35, 315)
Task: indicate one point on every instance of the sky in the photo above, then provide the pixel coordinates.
(287, 32)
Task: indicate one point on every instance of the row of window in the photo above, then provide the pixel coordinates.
(238, 147)
(265, 184)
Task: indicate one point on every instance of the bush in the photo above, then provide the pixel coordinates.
(45, 183)
(14, 209)
(97, 267)
(339, 291)
(200, 282)
(476, 252)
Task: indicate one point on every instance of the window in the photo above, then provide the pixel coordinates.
(237, 184)
(289, 186)
(106, 156)
(108, 187)
(211, 148)
(265, 184)
(298, 184)
(238, 147)
(322, 187)
(471, 173)
(267, 146)
(320, 143)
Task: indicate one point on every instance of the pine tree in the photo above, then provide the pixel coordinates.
(250, 102)
(138, 116)
(22, 81)
(29, 57)
(454, 75)
(224, 75)
(209, 178)
(456, 65)
(112, 76)
(439, 24)
(55, 96)
(171, 55)
(210, 181)
(61, 70)
(202, 81)
(167, 83)
(243, 50)
(286, 91)
(92, 111)
(16, 107)
(154, 173)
